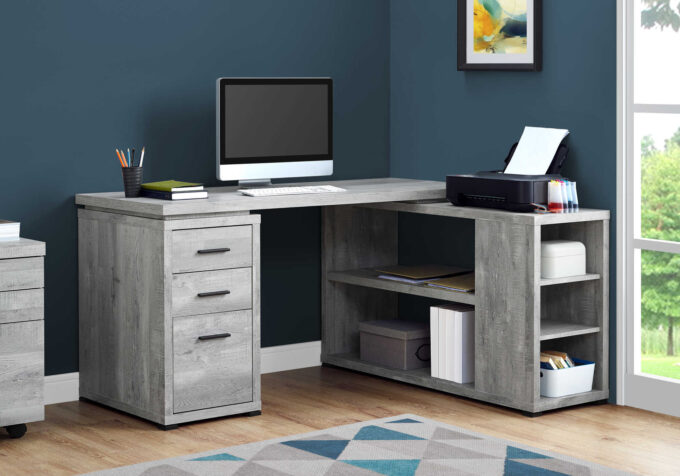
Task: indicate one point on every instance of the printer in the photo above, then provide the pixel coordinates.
(511, 192)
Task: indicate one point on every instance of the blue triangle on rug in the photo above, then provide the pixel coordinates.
(516, 468)
(388, 467)
(405, 420)
(328, 448)
(373, 432)
(219, 457)
(518, 453)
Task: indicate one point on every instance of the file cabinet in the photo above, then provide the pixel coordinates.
(21, 334)
(170, 315)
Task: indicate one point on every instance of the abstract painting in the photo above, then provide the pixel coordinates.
(499, 35)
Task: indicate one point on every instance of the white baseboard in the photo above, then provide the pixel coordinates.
(62, 388)
(290, 357)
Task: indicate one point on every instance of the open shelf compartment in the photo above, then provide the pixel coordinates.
(369, 278)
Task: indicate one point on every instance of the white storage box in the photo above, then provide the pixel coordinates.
(561, 382)
(561, 258)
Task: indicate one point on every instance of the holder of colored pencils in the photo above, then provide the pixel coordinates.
(132, 181)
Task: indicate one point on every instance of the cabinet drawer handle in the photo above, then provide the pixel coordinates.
(214, 293)
(215, 336)
(214, 250)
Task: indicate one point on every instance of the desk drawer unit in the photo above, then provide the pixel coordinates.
(21, 372)
(170, 315)
(21, 334)
(19, 306)
(211, 291)
(21, 273)
(212, 248)
(213, 360)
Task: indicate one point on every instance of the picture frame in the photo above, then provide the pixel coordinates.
(503, 40)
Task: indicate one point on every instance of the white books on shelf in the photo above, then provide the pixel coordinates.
(442, 343)
(9, 230)
(452, 340)
(434, 341)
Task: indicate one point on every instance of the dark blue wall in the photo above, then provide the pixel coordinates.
(81, 77)
(85, 76)
(446, 121)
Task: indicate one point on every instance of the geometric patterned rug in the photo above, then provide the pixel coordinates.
(404, 445)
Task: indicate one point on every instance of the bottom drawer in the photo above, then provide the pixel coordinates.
(213, 360)
(21, 372)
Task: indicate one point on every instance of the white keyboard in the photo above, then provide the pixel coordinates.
(272, 191)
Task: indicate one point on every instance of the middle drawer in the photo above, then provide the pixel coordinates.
(212, 291)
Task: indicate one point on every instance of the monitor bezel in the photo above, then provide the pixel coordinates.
(272, 166)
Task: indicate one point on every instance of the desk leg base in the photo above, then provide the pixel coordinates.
(16, 431)
(531, 414)
(167, 427)
(254, 413)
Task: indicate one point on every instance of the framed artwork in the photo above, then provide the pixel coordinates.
(500, 35)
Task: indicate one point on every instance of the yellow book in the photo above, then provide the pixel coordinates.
(173, 186)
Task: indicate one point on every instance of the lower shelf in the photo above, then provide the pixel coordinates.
(546, 403)
(419, 377)
(422, 378)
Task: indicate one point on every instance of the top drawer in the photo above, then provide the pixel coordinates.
(21, 273)
(206, 249)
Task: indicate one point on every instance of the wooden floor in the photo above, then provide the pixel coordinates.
(80, 437)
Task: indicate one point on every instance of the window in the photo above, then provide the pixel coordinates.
(651, 127)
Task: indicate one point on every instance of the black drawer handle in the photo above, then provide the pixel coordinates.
(215, 336)
(213, 250)
(214, 293)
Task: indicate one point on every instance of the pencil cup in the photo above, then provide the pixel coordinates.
(132, 181)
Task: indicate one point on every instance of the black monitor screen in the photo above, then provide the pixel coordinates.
(275, 121)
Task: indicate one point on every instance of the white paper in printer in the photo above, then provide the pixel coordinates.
(535, 151)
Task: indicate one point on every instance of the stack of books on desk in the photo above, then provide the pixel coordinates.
(452, 342)
(9, 230)
(173, 190)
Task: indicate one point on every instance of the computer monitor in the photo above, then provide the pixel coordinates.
(274, 128)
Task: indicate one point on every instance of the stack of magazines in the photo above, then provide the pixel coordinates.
(9, 230)
(451, 278)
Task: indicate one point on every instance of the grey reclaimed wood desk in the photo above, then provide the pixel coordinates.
(170, 297)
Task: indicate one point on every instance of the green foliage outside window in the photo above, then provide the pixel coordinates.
(661, 13)
(660, 220)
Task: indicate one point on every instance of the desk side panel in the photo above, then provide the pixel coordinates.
(354, 238)
(506, 343)
(122, 309)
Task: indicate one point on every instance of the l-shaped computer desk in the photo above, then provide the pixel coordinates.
(169, 296)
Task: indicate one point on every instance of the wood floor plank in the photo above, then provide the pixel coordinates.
(79, 437)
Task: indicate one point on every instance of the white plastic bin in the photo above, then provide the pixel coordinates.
(561, 382)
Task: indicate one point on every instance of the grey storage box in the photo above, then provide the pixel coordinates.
(396, 344)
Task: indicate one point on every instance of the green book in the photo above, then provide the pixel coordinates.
(173, 186)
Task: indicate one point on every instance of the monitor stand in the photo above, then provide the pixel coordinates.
(255, 183)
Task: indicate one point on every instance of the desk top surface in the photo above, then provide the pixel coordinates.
(385, 193)
(227, 199)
